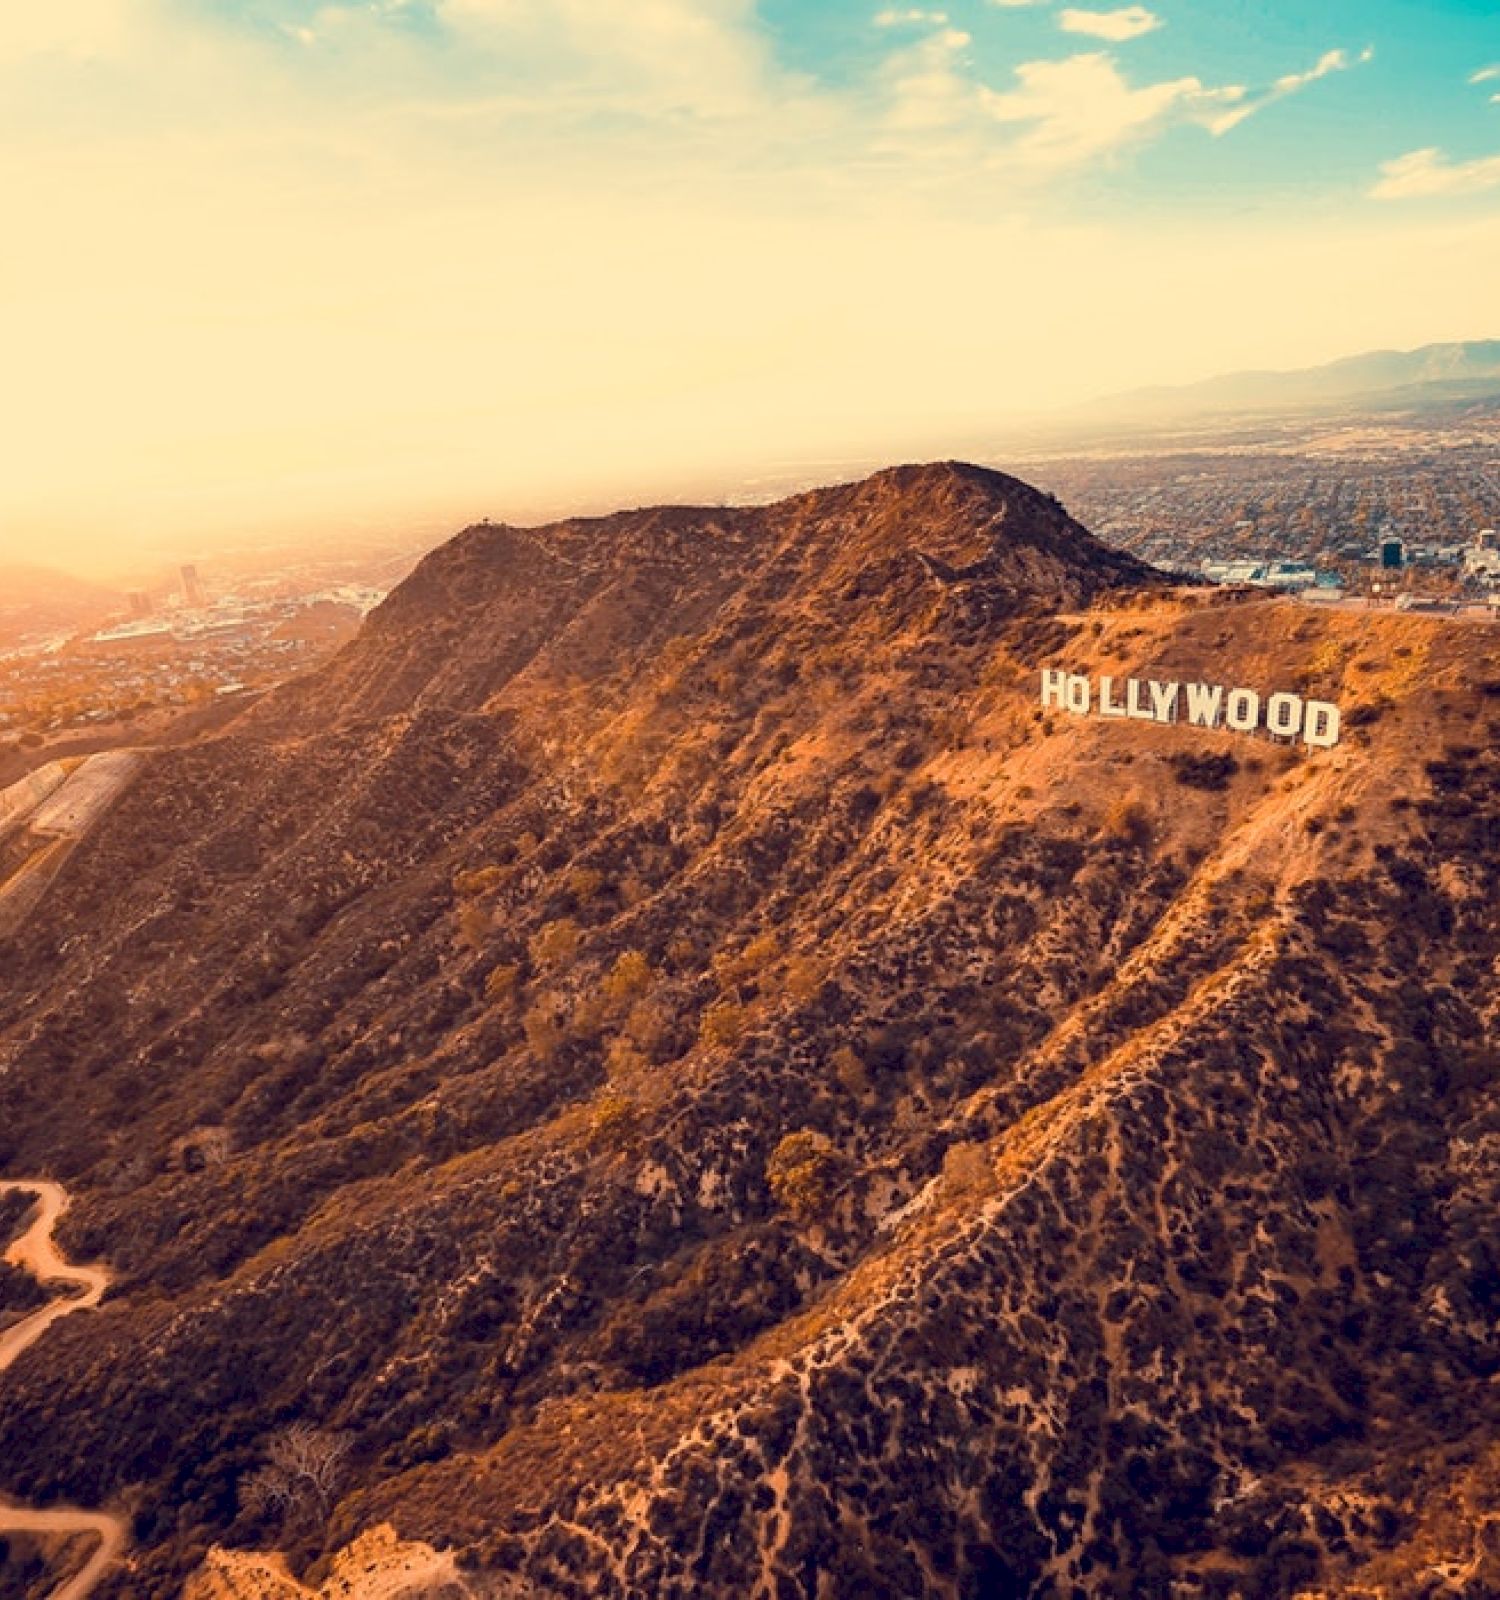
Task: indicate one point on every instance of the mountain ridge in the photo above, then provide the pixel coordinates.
(599, 570)
(668, 1053)
(1434, 374)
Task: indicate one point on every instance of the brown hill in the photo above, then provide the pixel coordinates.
(36, 600)
(695, 1085)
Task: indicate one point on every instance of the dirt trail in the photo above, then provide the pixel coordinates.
(37, 1253)
(63, 1520)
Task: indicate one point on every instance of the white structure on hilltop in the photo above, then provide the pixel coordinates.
(1482, 562)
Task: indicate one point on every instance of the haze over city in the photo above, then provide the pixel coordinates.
(276, 268)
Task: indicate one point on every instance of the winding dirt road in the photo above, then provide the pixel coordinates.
(36, 1253)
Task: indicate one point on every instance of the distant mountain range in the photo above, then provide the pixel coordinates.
(1437, 376)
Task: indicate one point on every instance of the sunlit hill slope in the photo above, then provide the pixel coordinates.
(670, 1055)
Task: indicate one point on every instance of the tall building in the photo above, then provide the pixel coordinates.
(140, 603)
(192, 590)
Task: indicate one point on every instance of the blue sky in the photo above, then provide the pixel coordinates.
(280, 262)
(1403, 85)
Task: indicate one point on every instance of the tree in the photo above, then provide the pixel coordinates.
(304, 1466)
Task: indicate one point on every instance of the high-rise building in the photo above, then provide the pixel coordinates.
(192, 590)
(140, 603)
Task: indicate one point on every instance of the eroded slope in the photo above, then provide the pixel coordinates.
(668, 1054)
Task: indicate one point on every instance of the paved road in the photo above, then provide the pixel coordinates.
(36, 1252)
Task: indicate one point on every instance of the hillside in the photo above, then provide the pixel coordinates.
(36, 600)
(692, 1083)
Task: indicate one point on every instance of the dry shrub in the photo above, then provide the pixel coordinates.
(583, 883)
(502, 982)
(1209, 770)
(649, 1027)
(613, 1116)
(733, 968)
(589, 1015)
(723, 1024)
(804, 1173)
(629, 978)
(850, 1071)
(556, 942)
(626, 1065)
(481, 880)
(543, 1028)
(804, 978)
(475, 924)
(966, 1166)
(1129, 821)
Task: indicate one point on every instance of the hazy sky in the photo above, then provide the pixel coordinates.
(275, 264)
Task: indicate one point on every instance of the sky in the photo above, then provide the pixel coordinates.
(280, 267)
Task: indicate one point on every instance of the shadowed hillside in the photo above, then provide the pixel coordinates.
(691, 1084)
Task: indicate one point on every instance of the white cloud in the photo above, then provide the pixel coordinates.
(1486, 75)
(927, 87)
(1330, 62)
(893, 17)
(1116, 26)
(1060, 114)
(1422, 174)
(1081, 108)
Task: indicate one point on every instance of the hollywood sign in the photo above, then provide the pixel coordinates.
(1201, 705)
